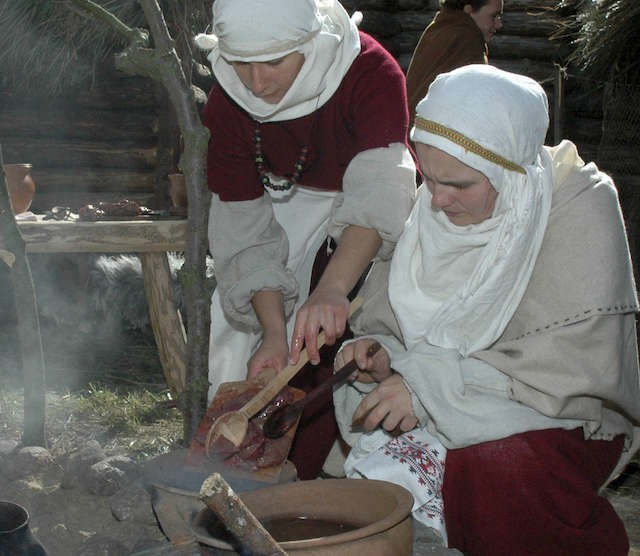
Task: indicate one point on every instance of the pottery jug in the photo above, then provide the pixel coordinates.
(15, 536)
(21, 186)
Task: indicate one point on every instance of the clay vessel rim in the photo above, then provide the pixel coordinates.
(401, 510)
(24, 515)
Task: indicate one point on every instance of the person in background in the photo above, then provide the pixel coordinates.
(508, 392)
(312, 178)
(458, 35)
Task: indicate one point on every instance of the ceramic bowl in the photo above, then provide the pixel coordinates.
(376, 516)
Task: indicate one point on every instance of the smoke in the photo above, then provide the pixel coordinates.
(93, 313)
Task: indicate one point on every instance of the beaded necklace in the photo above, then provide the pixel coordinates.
(262, 171)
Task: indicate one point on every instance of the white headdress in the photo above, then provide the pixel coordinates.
(263, 30)
(458, 287)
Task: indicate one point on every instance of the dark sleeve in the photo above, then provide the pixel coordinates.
(439, 52)
(375, 98)
(231, 171)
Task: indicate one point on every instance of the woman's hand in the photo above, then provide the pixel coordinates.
(271, 354)
(273, 350)
(325, 310)
(371, 369)
(388, 406)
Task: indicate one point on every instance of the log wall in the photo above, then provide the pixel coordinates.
(100, 144)
(522, 44)
(90, 146)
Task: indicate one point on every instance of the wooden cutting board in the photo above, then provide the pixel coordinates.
(232, 395)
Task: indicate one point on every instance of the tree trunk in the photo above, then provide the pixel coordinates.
(33, 368)
(164, 65)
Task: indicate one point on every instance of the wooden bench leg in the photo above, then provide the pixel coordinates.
(166, 323)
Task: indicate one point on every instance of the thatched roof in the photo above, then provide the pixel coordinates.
(51, 47)
(605, 38)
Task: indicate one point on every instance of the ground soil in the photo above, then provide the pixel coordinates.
(75, 522)
(72, 522)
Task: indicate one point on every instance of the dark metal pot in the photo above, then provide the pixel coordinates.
(15, 536)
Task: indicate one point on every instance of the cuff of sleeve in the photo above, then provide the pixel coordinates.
(236, 300)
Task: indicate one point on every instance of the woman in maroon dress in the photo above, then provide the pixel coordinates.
(311, 178)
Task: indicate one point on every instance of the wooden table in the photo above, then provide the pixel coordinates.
(150, 240)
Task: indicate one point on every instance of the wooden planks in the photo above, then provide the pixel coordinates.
(144, 236)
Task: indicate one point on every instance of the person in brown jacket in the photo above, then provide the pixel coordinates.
(458, 35)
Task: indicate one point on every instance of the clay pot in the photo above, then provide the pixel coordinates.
(376, 516)
(15, 535)
(178, 190)
(21, 186)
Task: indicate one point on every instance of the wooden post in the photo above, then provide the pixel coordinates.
(33, 369)
(166, 323)
(558, 103)
(162, 64)
(241, 523)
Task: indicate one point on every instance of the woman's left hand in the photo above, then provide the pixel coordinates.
(325, 310)
(388, 406)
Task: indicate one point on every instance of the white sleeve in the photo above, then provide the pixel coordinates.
(379, 188)
(250, 251)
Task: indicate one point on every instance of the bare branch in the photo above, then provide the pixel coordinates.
(137, 36)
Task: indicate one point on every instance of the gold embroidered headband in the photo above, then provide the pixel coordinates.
(469, 144)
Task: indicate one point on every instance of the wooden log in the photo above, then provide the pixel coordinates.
(113, 91)
(628, 182)
(502, 47)
(529, 5)
(540, 70)
(527, 24)
(139, 155)
(583, 128)
(234, 514)
(510, 47)
(414, 23)
(128, 236)
(404, 5)
(68, 121)
(366, 5)
(115, 88)
(413, 5)
(380, 24)
(618, 158)
(32, 360)
(168, 329)
(516, 23)
(89, 179)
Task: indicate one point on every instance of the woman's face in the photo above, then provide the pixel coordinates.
(464, 194)
(270, 80)
(488, 18)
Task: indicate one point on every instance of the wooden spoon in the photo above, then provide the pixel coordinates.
(233, 425)
(283, 418)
